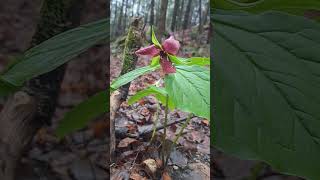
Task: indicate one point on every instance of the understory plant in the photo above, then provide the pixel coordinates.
(186, 84)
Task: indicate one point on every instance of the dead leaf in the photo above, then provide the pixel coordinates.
(166, 176)
(205, 122)
(151, 164)
(126, 142)
(136, 176)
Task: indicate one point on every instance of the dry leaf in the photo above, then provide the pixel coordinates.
(126, 142)
(166, 176)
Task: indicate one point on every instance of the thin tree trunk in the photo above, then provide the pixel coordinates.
(138, 8)
(152, 13)
(180, 15)
(125, 16)
(205, 16)
(119, 29)
(162, 19)
(133, 43)
(115, 17)
(200, 20)
(187, 15)
(33, 106)
(174, 15)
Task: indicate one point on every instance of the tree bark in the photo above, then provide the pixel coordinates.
(162, 18)
(119, 29)
(152, 13)
(180, 15)
(33, 106)
(200, 19)
(187, 15)
(174, 15)
(132, 44)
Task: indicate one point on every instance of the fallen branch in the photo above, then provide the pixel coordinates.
(148, 129)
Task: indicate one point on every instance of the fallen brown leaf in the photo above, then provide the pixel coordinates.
(166, 176)
(126, 142)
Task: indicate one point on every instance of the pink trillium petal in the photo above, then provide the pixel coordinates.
(171, 45)
(167, 66)
(148, 51)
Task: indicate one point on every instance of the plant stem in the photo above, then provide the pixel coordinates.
(165, 128)
(182, 128)
(155, 123)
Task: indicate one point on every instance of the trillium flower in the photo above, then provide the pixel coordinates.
(169, 46)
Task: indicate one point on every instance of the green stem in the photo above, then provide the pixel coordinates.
(165, 128)
(182, 128)
(155, 123)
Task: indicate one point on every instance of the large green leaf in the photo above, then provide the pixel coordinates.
(159, 93)
(130, 76)
(56, 51)
(80, 115)
(189, 89)
(298, 7)
(266, 91)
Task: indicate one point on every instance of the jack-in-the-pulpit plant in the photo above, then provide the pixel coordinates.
(186, 83)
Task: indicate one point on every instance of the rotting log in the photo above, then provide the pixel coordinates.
(33, 106)
(132, 43)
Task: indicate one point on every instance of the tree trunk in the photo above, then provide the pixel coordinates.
(119, 29)
(138, 8)
(152, 13)
(206, 13)
(187, 15)
(174, 15)
(180, 14)
(115, 18)
(132, 44)
(125, 17)
(200, 19)
(33, 106)
(162, 19)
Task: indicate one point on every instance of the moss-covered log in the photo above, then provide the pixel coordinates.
(132, 43)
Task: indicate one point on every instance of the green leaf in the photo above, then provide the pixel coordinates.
(266, 91)
(297, 7)
(154, 38)
(130, 76)
(155, 61)
(80, 115)
(56, 51)
(159, 93)
(6, 88)
(175, 59)
(201, 61)
(189, 89)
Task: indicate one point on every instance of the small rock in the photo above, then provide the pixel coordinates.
(175, 167)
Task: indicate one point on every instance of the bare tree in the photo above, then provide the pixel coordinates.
(151, 13)
(200, 20)
(119, 28)
(186, 19)
(162, 18)
(174, 15)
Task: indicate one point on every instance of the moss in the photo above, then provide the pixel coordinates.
(132, 43)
